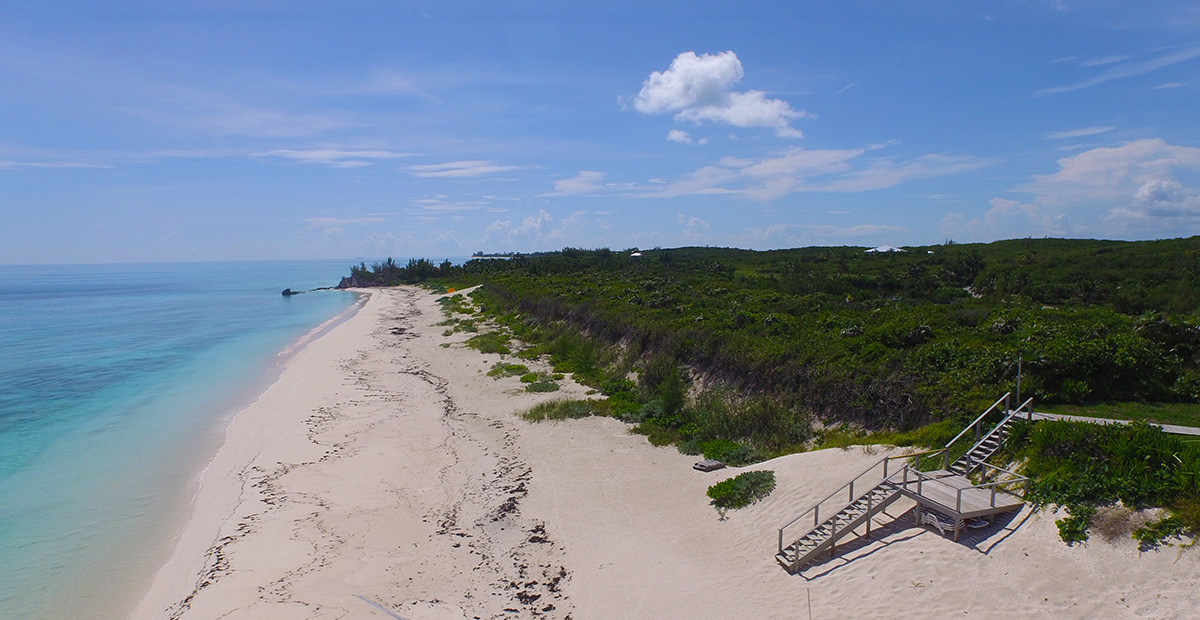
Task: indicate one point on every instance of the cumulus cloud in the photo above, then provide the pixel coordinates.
(699, 88)
(1162, 198)
(1112, 173)
(376, 244)
(458, 169)
(544, 231)
(693, 227)
(1006, 219)
(1140, 188)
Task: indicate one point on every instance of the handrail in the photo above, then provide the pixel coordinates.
(923, 477)
(1013, 473)
(1012, 413)
(815, 509)
(981, 416)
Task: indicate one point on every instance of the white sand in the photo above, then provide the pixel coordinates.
(384, 476)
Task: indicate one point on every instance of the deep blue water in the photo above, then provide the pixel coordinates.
(116, 382)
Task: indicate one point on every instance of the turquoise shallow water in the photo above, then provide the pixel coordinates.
(116, 382)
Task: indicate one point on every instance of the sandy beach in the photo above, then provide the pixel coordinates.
(386, 476)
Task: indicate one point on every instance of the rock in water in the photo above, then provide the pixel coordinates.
(287, 292)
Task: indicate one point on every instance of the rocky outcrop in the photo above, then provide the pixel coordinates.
(351, 282)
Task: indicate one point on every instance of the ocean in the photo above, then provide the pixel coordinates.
(116, 385)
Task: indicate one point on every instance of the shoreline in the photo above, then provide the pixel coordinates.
(272, 371)
(384, 475)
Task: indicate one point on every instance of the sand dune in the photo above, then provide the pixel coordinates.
(385, 476)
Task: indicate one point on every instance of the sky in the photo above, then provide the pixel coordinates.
(166, 130)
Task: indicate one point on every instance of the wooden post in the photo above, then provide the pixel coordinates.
(870, 502)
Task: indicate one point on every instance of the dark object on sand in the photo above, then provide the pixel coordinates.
(708, 465)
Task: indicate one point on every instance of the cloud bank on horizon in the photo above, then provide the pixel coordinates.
(298, 130)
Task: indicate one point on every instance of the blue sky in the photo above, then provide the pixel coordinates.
(164, 131)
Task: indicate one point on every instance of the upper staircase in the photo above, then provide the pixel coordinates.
(881, 485)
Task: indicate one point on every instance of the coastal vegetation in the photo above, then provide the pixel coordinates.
(744, 355)
(741, 490)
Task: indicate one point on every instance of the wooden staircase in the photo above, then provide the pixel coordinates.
(848, 512)
(985, 445)
(844, 522)
(980, 452)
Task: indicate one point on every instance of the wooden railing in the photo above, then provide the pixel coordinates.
(923, 478)
(848, 488)
(1026, 406)
(977, 426)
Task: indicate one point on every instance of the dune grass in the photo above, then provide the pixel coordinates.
(561, 409)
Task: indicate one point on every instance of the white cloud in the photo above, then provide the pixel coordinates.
(1125, 70)
(336, 225)
(458, 169)
(376, 244)
(337, 158)
(1100, 62)
(1141, 188)
(437, 207)
(798, 235)
(697, 88)
(544, 231)
(1111, 173)
(584, 183)
(693, 227)
(343, 221)
(682, 137)
(1006, 219)
(1164, 199)
(804, 170)
(48, 164)
(1079, 133)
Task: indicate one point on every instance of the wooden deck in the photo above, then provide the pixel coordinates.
(955, 496)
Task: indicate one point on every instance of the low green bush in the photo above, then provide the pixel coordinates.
(742, 490)
(500, 370)
(559, 410)
(490, 342)
(542, 385)
(1080, 466)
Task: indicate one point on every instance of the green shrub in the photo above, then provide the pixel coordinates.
(559, 410)
(1152, 534)
(742, 490)
(727, 451)
(1080, 465)
(500, 370)
(542, 385)
(530, 377)
(490, 342)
